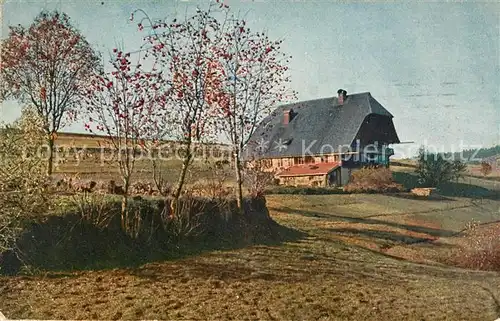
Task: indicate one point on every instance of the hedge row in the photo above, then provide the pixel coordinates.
(92, 236)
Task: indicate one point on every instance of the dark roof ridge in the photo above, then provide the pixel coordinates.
(321, 124)
(367, 93)
(306, 101)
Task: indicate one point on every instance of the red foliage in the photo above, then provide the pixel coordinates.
(55, 54)
(223, 78)
(251, 80)
(43, 94)
(127, 101)
(222, 74)
(183, 51)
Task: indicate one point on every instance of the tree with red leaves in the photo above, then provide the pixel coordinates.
(128, 104)
(253, 79)
(47, 65)
(184, 51)
(224, 78)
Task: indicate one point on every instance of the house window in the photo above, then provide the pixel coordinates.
(298, 160)
(266, 163)
(331, 158)
(280, 162)
(309, 160)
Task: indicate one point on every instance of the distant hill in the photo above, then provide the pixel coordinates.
(95, 142)
(491, 154)
(483, 153)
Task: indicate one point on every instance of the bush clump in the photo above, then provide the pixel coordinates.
(23, 182)
(481, 250)
(373, 180)
(90, 234)
(433, 169)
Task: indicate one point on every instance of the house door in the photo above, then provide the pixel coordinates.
(333, 178)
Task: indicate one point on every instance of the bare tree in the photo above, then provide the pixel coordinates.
(254, 78)
(224, 79)
(184, 51)
(47, 65)
(127, 104)
(257, 179)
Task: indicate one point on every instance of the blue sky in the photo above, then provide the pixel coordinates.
(434, 66)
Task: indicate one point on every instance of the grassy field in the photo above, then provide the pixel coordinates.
(92, 163)
(361, 257)
(91, 167)
(475, 171)
(472, 169)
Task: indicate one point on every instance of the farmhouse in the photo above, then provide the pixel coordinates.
(320, 142)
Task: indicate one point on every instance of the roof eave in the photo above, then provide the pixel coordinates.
(297, 175)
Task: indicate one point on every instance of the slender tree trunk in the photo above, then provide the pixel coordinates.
(50, 161)
(124, 212)
(158, 178)
(182, 179)
(239, 180)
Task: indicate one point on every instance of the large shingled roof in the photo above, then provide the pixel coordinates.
(322, 121)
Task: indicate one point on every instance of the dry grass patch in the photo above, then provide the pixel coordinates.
(479, 248)
(310, 279)
(327, 276)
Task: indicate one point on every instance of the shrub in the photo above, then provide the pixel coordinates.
(90, 234)
(486, 168)
(373, 180)
(142, 188)
(211, 190)
(434, 169)
(187, 222)
(84, 186)
(112, 188)
(23, 182)
(215, 184)
(257, 180)
(93, 208)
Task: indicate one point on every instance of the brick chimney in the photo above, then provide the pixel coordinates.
(342, 95)
(287, 116)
